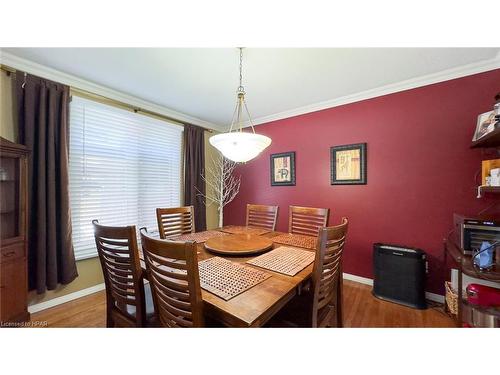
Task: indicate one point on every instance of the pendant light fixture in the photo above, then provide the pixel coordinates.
(237, 145)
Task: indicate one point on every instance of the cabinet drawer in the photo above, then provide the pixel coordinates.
(11, 252)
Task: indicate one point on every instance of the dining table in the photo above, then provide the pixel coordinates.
(255, 306)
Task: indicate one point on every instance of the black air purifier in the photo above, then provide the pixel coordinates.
(399, 275)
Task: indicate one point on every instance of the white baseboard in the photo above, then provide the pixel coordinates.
(364, 280)
(66, 298)
(358, 279)
(434, 297)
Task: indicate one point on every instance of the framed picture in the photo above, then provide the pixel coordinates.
(348, 164)
(283, 169)
(485, 124)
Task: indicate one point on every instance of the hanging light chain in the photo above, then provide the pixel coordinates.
(240, 88)
(241, 104)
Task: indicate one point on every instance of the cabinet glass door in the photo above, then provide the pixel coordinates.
(9, 197)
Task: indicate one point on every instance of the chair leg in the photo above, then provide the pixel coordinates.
(333, 320)
(110, 323)
(339, 305)
(338, 316)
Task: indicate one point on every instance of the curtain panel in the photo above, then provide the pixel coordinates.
(194, 169)
(42, 114)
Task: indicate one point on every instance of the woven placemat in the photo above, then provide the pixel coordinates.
(200, 236)
(296, 240)
(227, 279)
(286, 260)
(236, 229)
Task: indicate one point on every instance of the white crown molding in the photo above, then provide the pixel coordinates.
(445, 75)
(71, 80)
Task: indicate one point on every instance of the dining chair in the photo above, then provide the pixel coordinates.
(319, 303)
(327, 277)
(262, 216)
(175, 221)
(172, 269)
(307, 220)
(129, 301)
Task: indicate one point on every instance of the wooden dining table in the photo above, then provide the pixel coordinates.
(257, 305)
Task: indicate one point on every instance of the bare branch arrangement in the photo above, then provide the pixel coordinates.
(221, 184)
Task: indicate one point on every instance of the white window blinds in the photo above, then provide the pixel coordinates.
(122, 167)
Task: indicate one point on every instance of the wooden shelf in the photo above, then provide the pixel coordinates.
(464, 265)
(489, 140)
(487, 189)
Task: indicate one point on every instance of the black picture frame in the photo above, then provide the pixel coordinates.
(291, 180)
(362, 160)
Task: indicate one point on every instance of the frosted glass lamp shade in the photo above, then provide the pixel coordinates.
(239, 146)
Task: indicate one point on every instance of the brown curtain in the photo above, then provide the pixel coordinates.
(42, 113)
(194, 186)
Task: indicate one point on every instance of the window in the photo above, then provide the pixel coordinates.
(122, 167)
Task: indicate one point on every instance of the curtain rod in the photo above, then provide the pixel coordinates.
(106, 100)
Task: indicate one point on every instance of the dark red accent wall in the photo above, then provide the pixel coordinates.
(420, 168)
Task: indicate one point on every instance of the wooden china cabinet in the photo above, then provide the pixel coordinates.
(13, 232)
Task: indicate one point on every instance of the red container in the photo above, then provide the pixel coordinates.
(482, 295)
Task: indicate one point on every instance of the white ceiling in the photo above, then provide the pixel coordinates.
(201, 82)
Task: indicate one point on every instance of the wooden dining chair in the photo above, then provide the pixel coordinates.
(129, 301)
(320, 303)
(262, 216)
(327, 277)
(307, 220)
(172, 269)
(175, 221)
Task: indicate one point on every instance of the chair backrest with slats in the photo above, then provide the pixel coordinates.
(175, 221)
(119, 255)
(307, 220)
(327, 274)
(172, 269)
(262, 216)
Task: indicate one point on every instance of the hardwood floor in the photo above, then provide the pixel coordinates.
(88, 311)
(361, 310)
